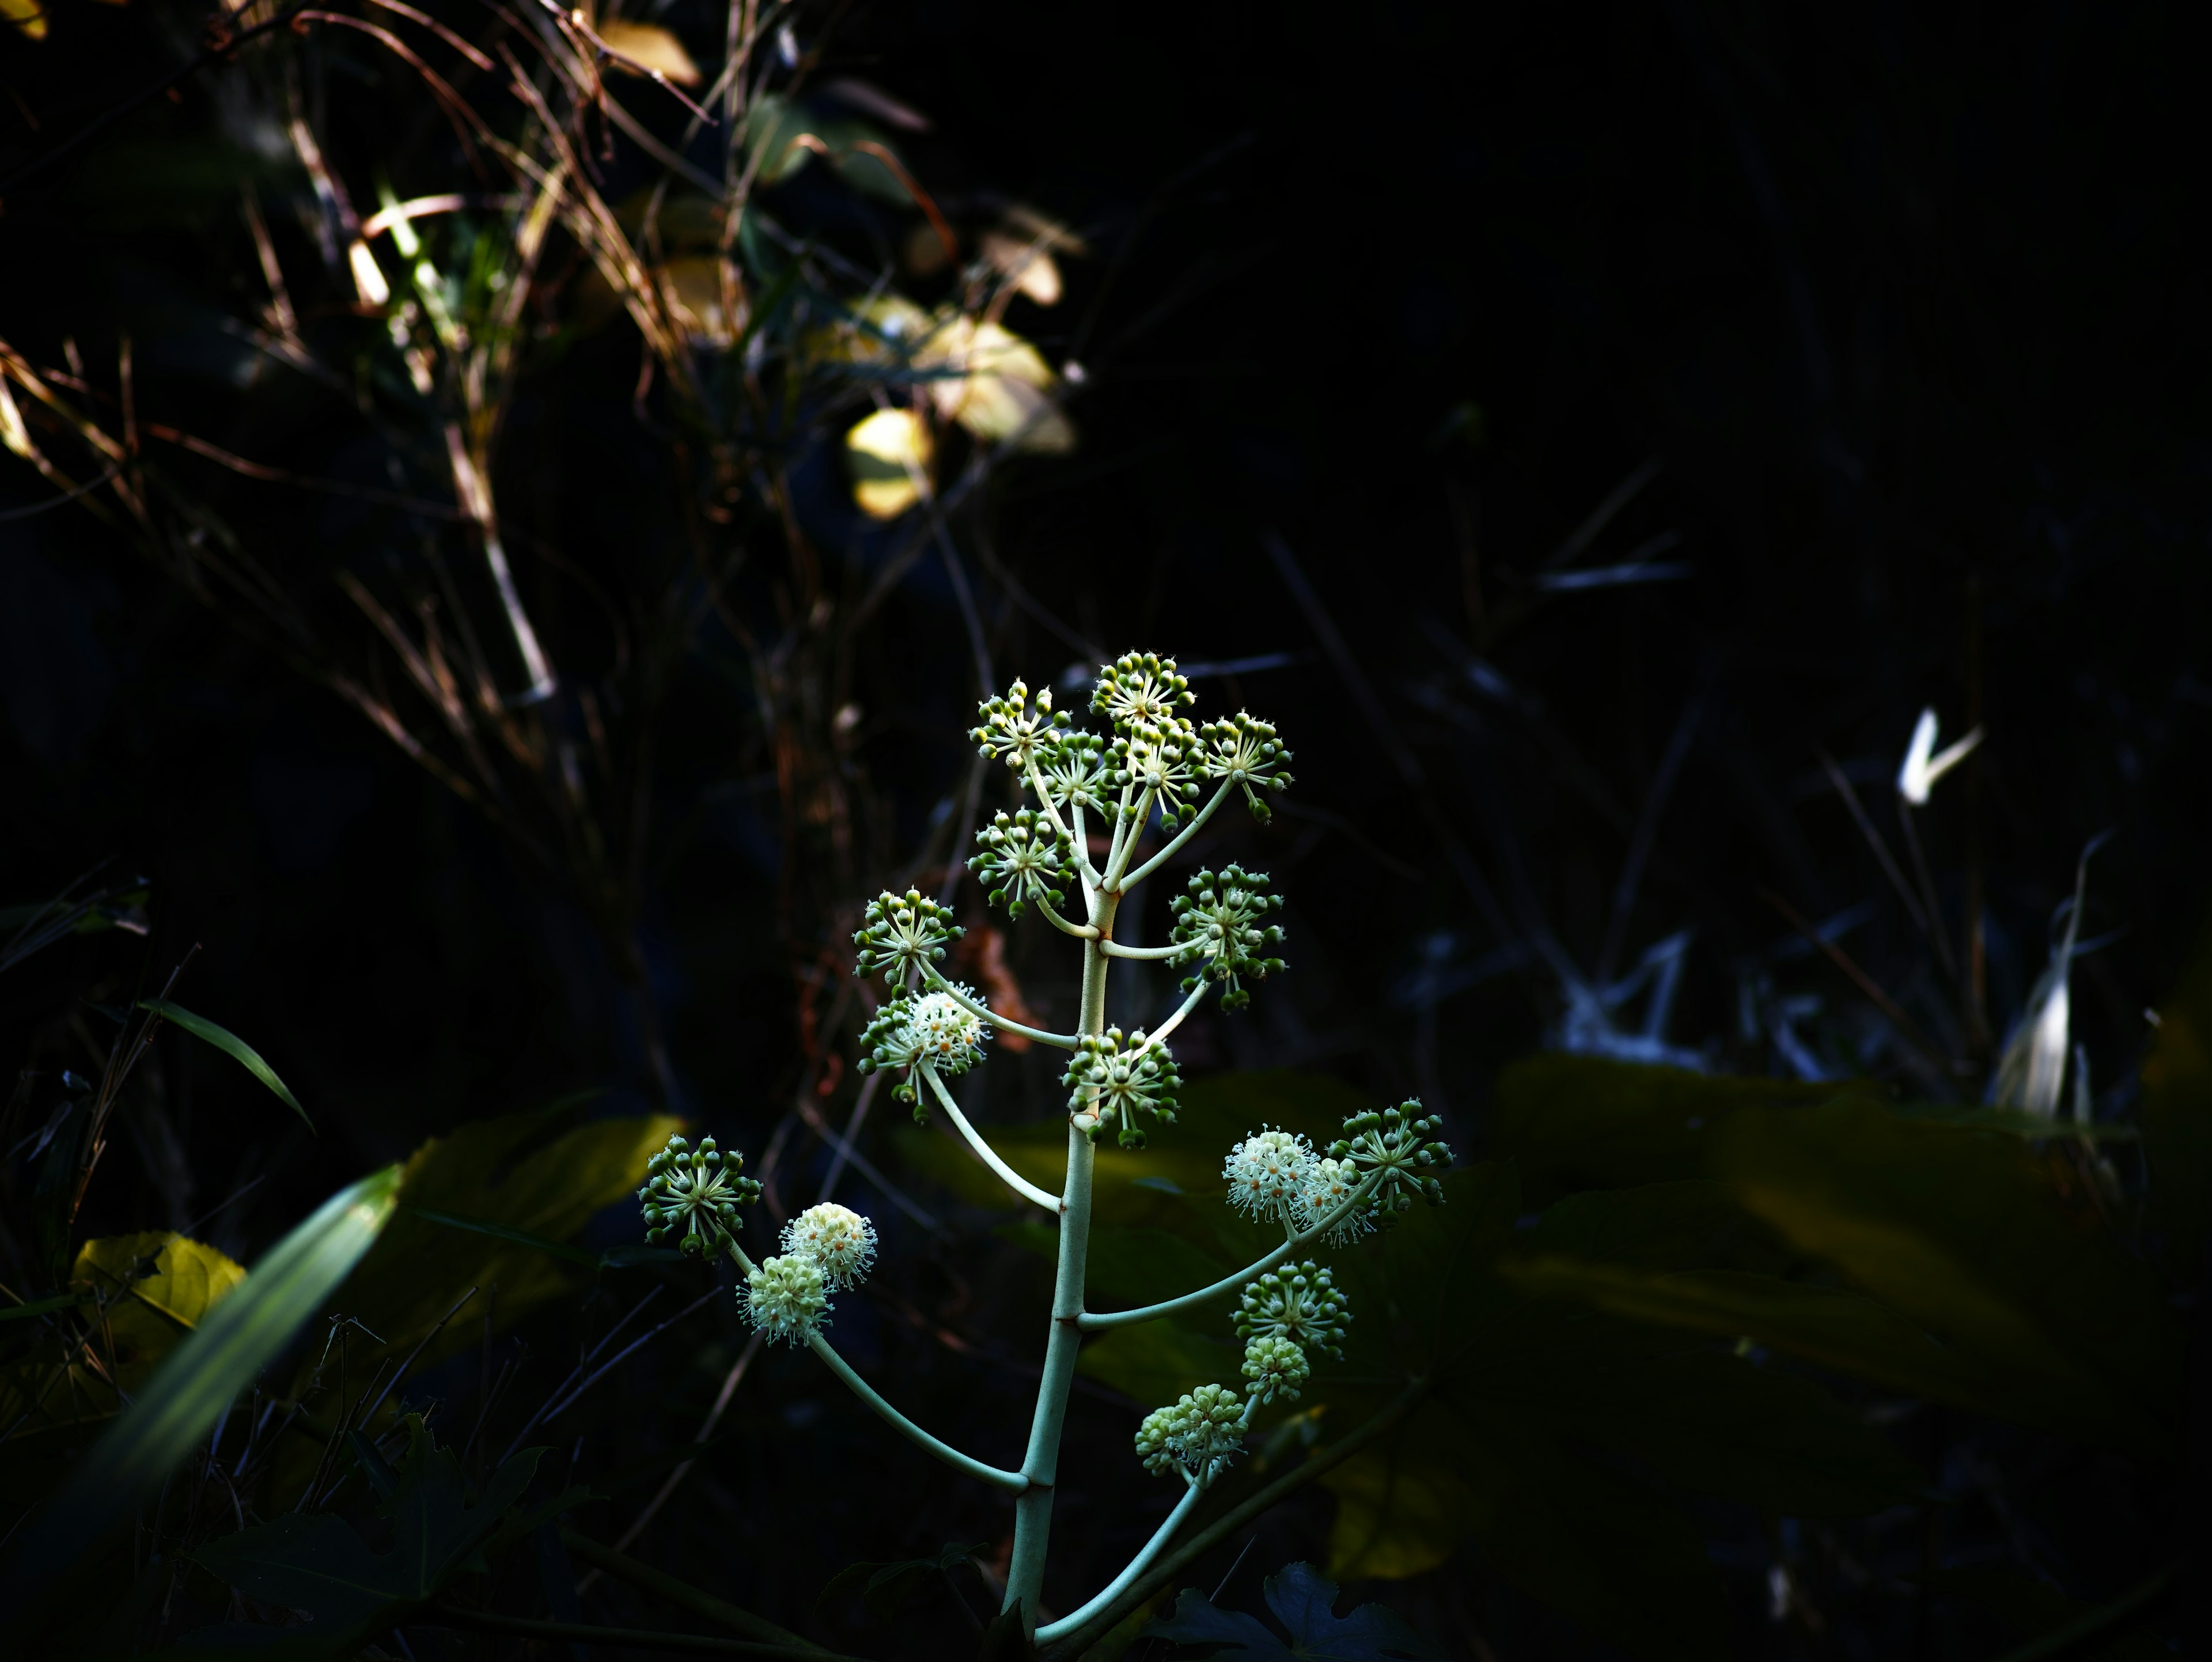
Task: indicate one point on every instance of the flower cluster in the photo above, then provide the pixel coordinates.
(1110, 1085)
(785, 1299)
(1244, 751)
(1200, 1435)
(934, 1030)
(1219, 919)
(1019, 735)
(1276, 1368)
(1154, 765)
(1299, 1303)
(1266, 1174)
(1397, 1144)
(1328, 1184)
(898, 931)
(1073, 772)
(699, 1190)
(826, 1248)
(1027, 857)
(836, 1237)
(1140, 693)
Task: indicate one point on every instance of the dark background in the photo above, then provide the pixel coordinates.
(1907, 303)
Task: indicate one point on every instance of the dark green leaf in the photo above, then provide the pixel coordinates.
(44, 1306)
(508, 1233)
(231, 1045)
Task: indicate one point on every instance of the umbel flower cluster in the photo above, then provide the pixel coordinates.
(1099, 815)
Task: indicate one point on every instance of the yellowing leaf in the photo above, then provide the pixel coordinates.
(1029, 264)
(649, 46)
(187, 1278)
(27, 16)
(889, 456)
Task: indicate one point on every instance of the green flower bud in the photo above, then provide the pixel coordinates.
(1218, 920)
(1111, 1085)
(1012, 730)
(698, 1191)
(1276, 1368)
(1200, 1434)
(787, 1299)
(1298, 1302)
(1140, 693)
(1244, 751)
(899, 931)
(1398, 1142)
(1027, 857)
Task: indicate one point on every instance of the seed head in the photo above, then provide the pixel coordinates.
(696, 1190)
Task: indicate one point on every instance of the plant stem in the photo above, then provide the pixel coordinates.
(1136, 1568)
(1092, 1323)
(1236, 1517)
(984, 1152)
(1167, 852)
(940, 984)
(1040, 1463)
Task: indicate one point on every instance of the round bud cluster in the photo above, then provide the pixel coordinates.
(698, 1191)
(1276, 1368)
(934, 1030)
(1141, 691)
(1109, 1085)
(1073, 771)
(1218, 918)
(1011, 729)
(840, 1242)
(901, 931)
(1299, 1303)
(1154, 765)
(1027, 857)
(1200, 1435)
(787, 1299)
(1243, 751)
(1266, 1174)
(1397, 1144)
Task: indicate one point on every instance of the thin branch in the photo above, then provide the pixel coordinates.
(1135, 1568)
(938, 983)
(984, 1152)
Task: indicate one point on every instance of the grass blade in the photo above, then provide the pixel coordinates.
(196, 1387)
(230, 1045)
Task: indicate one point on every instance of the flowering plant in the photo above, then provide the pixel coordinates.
(1154, 767)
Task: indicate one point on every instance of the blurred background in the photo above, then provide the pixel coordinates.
(1593, 435)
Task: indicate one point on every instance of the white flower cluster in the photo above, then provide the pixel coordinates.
(826, 1248)
(1275, 1176)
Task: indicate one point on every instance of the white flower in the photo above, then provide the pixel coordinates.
(946, 1033)
(1276, 1368)
(1267, 1174)
(787, 1299)
(839, 1241)
(1328, 1184)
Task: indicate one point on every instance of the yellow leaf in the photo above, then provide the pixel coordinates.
(1028, 263)
(651, 48)
(1000, 391)
(694, 285)
(27, 16)
(889, 455)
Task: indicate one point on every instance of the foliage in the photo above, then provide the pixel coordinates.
(1305, 1605)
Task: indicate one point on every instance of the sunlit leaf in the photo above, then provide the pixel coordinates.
(231, 1045)
(510, 1173)
(1028, 263)
(888, 454)
(650, 46)
(237, 1337)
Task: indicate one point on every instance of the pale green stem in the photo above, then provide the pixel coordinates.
(898, 1421)
(1091, 1323)
(1182, 1010)
(1126, 836)
(1137, 1566)
(984, 1152)
(938, 983)
(1052, 813)
(1179, 839)
(1115, 949)
(1040, 1463)
(1080, 931)
(914, 1433)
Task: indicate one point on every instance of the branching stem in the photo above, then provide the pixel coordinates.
(1080, 931)
(984, 1152)
(1092, 1323)
(940, 984)
(1183, 1010)
(1168, 850)
(1137, 1566)
(1178, 949)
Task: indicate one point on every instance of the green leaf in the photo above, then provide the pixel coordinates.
(236, 1339)
(888, 1588)
(1155, 1362)
(517, 1193)
(1968, 1236)
(44, 1306)
(231, 1045)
